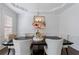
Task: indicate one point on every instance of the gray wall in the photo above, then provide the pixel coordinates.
(69, 25)
(4, 10)
(0, 22)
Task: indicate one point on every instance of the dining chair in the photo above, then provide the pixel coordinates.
(54, 46)
(67, 46)
(22, 47)
(10, 40)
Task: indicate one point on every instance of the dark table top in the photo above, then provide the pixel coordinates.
(31, 37)
(8, 44)
(66, 42)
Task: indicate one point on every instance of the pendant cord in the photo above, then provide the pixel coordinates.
(38, 11)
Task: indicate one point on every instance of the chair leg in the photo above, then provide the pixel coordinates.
(62, 51)
(67, 51)
(13, 51)
(8, 51)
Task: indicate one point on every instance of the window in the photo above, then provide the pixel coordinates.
(7, 26)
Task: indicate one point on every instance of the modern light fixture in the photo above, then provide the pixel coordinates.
(39, 22)
(39, 18)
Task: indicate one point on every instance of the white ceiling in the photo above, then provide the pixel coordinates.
(41, 7)
(35, 7)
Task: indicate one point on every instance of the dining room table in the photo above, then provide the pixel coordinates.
(37, 44)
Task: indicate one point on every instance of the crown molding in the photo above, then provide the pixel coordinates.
(19, 9)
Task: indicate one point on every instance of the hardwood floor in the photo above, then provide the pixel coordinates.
(4, 51)
(71, 51)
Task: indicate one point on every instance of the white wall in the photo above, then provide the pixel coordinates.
(0, 22)
(69, 25)
(4, 10)
(25, 24)
(11, 13)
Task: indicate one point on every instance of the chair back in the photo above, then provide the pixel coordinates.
(12, 36)
(54, 46)
(22, 47)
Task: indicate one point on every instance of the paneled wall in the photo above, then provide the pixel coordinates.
(4, 10)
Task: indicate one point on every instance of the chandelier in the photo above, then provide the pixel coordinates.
(39, 22)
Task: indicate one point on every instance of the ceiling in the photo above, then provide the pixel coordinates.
(38, 7)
